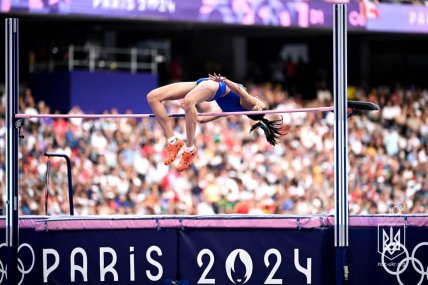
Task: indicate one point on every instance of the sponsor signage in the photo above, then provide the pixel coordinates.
(299, 14)
(94, 257)
(366, 15)
(257, 256)
(382, 253)
(400, 18)
(370, 16)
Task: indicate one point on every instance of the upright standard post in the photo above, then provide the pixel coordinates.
(341, 141)
(12, 84)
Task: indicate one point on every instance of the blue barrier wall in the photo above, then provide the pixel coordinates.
(94, 92)
(57, 252)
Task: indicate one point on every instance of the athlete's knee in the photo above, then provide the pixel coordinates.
(154, 96)
(188, 104)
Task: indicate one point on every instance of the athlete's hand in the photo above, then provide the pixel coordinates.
(259, 105)
(216, 78)
(257, 108)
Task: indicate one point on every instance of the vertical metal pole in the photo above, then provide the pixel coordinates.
(134, 60)
(70, 57)
(341, 141)
(91, 58)
(154, 64)
(70, 186)
(12, 84)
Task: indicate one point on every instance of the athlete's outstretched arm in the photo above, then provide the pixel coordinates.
(248, 101)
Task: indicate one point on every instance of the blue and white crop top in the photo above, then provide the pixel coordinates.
(230, 102)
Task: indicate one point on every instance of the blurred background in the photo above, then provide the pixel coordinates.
(104, 56)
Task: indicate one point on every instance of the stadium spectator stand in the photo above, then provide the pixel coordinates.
(118, 169)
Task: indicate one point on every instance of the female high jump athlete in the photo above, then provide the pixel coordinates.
(230, 97)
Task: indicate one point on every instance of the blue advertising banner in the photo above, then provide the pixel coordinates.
(302, 14)
(398, 18)
(257, 256)
(389, 254)
(368, 15)
(272, 251)
(94, 257)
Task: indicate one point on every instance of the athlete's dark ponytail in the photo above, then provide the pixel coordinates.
(273, 129)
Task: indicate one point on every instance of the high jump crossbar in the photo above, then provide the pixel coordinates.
(220, 114)
(352, 105)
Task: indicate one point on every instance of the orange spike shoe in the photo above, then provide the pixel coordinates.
(187, 159)
(172, 151)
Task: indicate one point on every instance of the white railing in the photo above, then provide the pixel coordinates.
(96, 58)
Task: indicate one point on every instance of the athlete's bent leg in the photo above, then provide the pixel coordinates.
(169, 92)
(203, 92)
(155, 98)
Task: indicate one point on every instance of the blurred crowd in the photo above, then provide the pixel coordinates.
(117, 164)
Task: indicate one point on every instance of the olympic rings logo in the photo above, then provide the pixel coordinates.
(404, 263)
(396, 207)
(21, 267)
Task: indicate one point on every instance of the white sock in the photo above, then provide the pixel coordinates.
(189, 148)
(172, 140)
